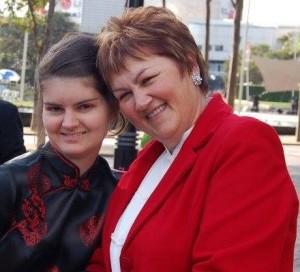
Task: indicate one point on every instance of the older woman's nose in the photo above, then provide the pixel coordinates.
(142, 101)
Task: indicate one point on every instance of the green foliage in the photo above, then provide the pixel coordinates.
(145, 139)
(12, 39)
(288, 48)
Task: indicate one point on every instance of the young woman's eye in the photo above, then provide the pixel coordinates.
(53, 108)
(84, 107)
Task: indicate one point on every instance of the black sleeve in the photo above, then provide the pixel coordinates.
(11, 133)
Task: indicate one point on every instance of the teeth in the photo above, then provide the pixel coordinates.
(157, 111)
(73, 136)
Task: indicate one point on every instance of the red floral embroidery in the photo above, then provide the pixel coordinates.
(54, 269)
(90, 229)
(85, 185)
(71, 183)
(33, 174)
(45, 184)
(34, 227)
(37, 181)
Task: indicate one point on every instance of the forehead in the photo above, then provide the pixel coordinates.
(132, 68)
(54, 81)
(68, 88)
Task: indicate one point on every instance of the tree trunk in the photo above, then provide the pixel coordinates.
(298, 126)
(207, 34)
(36, 122)
(231, 93)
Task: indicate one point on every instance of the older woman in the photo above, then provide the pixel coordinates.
(211, 191)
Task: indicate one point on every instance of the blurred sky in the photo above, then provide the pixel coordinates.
(262, 12)
(273, 12)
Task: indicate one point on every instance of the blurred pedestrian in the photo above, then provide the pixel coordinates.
(255, 106)
(211, 191)
(52, 201)
(11, 132)
(294, 105)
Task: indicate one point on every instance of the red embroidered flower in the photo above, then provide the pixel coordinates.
(90, 229)
(38, 181)
(44, 184)
(85, 185)
(54, 269)
(69, 182)
(33, 228)
(32, 237)
(34, 210)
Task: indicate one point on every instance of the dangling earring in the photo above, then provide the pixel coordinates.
(197, 79)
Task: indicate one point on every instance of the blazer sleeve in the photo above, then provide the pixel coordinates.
(250, 215)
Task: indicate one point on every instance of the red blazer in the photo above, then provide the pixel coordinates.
(226, 204)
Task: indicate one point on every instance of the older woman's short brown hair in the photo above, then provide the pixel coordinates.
(143, 31)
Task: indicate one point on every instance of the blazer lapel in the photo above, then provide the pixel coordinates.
(182, 164)
(128, 185)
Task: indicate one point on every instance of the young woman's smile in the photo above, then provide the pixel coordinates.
(75, 116)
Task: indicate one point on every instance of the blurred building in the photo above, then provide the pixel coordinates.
(221, 39)
(72, 7)
(94, 14)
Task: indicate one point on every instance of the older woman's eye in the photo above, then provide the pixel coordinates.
(147, 80)
(124, 96)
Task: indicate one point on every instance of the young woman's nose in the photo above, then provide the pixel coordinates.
(142, 101)
(70, 120)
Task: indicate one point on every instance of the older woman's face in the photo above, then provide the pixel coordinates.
(156, 98)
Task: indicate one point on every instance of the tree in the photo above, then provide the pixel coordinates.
(11, 42)
(40, 26)
(39, 23)
(207, 34)
(290, 47)
(231, 92)
(35, 19)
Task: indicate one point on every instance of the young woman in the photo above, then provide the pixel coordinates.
(211, 191)
(52, 201)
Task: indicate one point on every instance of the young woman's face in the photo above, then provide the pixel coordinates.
(75, 116)
(156, 98)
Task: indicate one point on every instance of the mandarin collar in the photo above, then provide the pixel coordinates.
(63, 165)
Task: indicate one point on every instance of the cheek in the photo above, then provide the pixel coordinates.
(50, 123)
(127, 109)
(99, 121)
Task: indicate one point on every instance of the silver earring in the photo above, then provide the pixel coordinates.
(196, 78)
